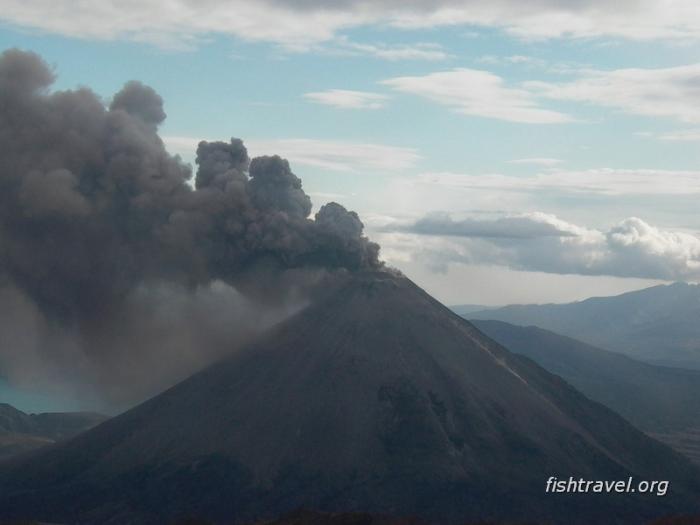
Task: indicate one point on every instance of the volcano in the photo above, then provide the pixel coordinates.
(376, 398)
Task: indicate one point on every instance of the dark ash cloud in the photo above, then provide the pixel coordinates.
(95, 215)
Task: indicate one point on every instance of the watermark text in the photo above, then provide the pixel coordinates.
(582, 486)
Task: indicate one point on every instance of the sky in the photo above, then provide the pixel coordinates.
(499, 153)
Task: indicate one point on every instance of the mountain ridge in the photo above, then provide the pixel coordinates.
(657, 324)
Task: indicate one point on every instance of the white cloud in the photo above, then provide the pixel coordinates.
(478, 93)
(420, 51)
(545, 243)
(298, 25)
(326, 154)
(347, 99)
(600, 181)
(537, 161)
(664, 92)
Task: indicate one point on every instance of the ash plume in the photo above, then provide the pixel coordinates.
(109, 252)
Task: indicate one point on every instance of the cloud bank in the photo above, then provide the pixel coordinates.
(301, 24)
(545, 243)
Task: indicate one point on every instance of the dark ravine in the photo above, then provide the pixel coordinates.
(376, 399)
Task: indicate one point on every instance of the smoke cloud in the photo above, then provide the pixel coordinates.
(117, 270)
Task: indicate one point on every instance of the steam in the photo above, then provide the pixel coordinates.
(119, 274)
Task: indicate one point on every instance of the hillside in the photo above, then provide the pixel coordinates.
(660, 400)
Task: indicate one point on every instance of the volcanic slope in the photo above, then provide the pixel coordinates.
(376, 398)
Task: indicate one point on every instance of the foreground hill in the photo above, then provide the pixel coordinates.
(660, 400)
(375, 399)
(21, 432)
(658, 325)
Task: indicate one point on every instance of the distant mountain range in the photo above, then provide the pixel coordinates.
(375, 398)
(660, 325)
(21, 432)
(663, 401)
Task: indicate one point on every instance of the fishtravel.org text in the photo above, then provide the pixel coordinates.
(583, 486)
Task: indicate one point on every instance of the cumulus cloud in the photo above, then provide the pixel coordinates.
(328, 154)
(298, 25)
(478, 93)
(672, 92)
(545, 243)
(347, 99)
